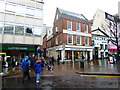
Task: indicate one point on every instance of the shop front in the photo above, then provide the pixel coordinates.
(18, 51)
(112, 49)
(74, 54)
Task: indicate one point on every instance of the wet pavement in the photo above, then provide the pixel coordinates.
(65, 76)
(70, 81)
(70, 68)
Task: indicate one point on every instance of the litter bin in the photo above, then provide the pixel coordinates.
(82, 63)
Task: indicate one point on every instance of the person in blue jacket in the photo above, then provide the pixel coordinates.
(24, 60)
(26, 69)
(38, 69)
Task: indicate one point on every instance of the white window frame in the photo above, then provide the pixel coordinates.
(56, 40)
(79, 24)
(57, 17)
(77, 40)
(86, 26)
(56, 28)
(68, 25)
(71, 40)
(87, 41)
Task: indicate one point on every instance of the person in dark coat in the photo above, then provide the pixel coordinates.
(38, 69)
(14, 62)
(58, 60)
(32, 60)
(26, 69)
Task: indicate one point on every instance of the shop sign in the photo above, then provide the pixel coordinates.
(77, 49)
(17, 48)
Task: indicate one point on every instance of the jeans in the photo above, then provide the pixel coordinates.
(37, 76)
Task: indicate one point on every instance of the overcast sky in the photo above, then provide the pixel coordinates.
(85, 7)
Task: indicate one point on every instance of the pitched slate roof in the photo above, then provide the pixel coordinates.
(72, 14)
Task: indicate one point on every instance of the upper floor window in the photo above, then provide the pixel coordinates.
(57, 40)
(101, 46)
(19, 30)
(78, 40)
(106, 47)
(56, 28)
(86, 41)
(8, 29)
(57, 17)
(86, 28)
(69, 25)
(78, 26)
(69, 39)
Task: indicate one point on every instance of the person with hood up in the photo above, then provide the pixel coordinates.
(23, 61)
(26, 69)
(38, 69)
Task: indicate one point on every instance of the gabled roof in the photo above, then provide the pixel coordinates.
(100, 31)
(72, 14)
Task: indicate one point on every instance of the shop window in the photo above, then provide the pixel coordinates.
(69, 39)
(69, 25)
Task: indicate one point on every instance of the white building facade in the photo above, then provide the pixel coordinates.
(21, 25)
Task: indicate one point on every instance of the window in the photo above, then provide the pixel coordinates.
(38, 13)
(56, 17)
(101, 46)
(8, 29)
(78, 40)
(19, 30)
(2, 6)
(70, 39)
(10, 8)
(37, 31)
(1, 27)
(86, 41)
(85, 28)
(78, 26)
(56, 28)
(20, 10)
(57, 40)
(28, 31)
(30, 11)
(69, 25)
(106, 54)
(106, 47)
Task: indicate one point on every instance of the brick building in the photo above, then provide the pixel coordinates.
(71, 36)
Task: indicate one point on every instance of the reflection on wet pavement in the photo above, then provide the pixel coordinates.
(71, 81)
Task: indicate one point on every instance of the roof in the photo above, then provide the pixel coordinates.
(72, 14)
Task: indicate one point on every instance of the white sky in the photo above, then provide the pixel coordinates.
(85, 7)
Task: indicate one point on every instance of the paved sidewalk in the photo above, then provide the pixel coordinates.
(73, 68)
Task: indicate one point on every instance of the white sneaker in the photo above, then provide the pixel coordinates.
(37, 81)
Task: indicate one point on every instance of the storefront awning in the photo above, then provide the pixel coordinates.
(112, 47)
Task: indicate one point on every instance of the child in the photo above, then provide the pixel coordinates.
(38, 69)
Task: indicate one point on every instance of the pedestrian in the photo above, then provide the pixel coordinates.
(14, 62)
(24, 60)
(26, 69)
(52, 60)
(32, 60)
(38, 69)
(58, 60)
